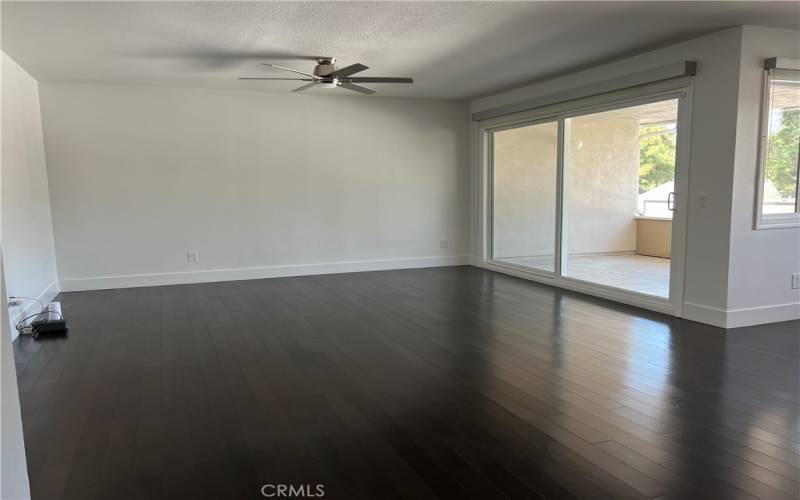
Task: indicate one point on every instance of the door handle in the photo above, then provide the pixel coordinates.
(671, 202)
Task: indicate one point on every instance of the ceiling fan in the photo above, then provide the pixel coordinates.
(326, 75)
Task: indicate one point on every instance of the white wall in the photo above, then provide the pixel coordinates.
(761, 261)
(253, 180)
(27, 231)
(14, 483)
(713, 141)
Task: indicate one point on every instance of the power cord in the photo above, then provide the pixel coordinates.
(29, 298)
(20, 326)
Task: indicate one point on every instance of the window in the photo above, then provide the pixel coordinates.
(657, 147)
(780, 146)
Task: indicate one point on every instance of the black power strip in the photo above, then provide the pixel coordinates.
(49, 327)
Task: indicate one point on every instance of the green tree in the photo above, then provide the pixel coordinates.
(656, 156)
(782, 152)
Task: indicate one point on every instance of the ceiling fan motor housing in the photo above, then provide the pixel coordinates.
(325, 66)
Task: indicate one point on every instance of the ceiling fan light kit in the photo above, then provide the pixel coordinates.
(326, 75)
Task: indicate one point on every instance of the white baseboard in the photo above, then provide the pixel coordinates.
(32, 307)
(705, 314)
(735, 318)
(764, 314)
(250, 273)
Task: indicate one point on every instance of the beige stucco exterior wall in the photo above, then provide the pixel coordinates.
(602, 186)
(602, 181)
(525, 187)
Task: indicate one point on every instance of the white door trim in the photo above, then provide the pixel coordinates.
(681, 214)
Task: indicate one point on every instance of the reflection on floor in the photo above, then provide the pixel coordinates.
(638, 273)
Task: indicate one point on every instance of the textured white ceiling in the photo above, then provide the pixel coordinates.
(454, 50)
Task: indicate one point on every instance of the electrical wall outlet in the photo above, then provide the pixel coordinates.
(443, 244)
(796, 280)
(193, 256)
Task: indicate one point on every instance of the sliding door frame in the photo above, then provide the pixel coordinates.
(682, 90)
(491, 179)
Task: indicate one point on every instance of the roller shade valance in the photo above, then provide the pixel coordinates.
(672, 71)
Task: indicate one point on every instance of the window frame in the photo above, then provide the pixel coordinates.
(762, 220)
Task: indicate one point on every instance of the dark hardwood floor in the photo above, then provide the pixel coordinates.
(449, 383)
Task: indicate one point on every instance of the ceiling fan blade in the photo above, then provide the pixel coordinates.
(212, 57)
(304, 87)
(379, 79)
(291, 79)
(347, 70)
(357, 88)
(290, 69)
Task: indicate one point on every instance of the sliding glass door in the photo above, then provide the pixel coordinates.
(524, 179)
(619, 184)
(588, 198)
